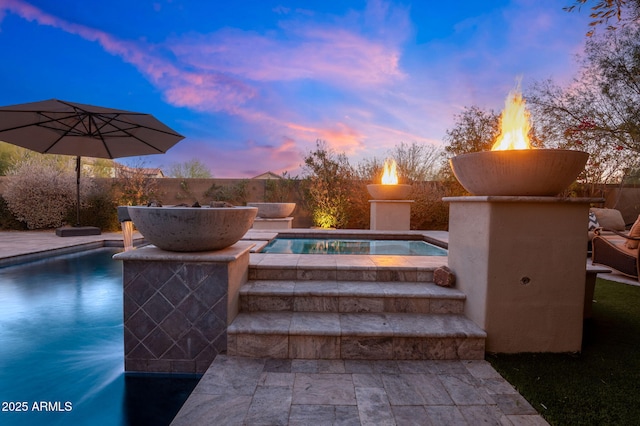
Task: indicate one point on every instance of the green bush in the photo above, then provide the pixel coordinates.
(234, 194)
(101, 209)
(332, 193)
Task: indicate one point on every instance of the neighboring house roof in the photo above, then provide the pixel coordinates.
(267, 175)
(147, 172)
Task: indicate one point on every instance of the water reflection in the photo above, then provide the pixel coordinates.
(334, 246)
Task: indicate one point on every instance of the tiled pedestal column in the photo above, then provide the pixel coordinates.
(177, 306)
(390, 215)
(521, 261)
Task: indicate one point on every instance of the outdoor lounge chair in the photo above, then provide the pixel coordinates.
(607, 221)
(618, 250)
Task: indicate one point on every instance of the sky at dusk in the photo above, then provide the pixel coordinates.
(253, 84)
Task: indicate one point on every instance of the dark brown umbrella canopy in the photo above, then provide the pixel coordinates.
(68, 128)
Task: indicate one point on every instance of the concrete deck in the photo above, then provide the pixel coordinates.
(246, 391)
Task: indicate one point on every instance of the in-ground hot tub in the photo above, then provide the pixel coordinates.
(352, 246)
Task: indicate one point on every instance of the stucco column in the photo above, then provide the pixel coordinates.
(390, 215)
(522, 263)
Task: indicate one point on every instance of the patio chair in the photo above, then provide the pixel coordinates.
(607, 220)
(618, 250)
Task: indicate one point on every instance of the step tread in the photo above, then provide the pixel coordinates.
(355, 324)
(348, 288)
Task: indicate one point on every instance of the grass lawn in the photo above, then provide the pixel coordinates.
(601, 385)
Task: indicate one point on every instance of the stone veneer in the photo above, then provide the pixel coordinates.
(177, 306)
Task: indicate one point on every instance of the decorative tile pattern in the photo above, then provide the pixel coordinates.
(175, 315)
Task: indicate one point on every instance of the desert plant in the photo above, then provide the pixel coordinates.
(234, 194)
(281, 190)
(101, 209)
(7, 220)
(429, 211)
(41, 193)
(333, 194)
(134, 186)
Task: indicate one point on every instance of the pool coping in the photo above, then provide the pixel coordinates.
(263, 237)
(19, 247)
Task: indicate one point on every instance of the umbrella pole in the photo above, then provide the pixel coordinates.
(78, 190)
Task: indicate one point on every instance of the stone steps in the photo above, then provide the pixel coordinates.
(349, 296)
(309, 313)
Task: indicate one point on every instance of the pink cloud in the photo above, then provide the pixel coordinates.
(328, 54)
(340, 136)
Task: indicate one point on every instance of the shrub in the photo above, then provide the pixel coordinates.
(101, 209)
(332, 190)
(134, 187)
(234, 194)
(41, 193)
(281, 190)
(429, 212)
(7, 219)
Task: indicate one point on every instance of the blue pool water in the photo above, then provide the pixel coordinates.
(347, 246)
(61, 348)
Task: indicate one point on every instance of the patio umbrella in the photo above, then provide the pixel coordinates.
(68, 128)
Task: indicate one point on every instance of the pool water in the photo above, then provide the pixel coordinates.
(62, 349)
(348, 246)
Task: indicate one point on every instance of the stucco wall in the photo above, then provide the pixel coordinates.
(177, 191)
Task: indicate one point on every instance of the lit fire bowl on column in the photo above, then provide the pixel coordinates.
(389, 189)
(191, 229)
(399, 191)
(519, 172)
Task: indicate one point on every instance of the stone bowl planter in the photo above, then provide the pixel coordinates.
(187, 229)
(523, 172)
(389, 192)
(273, 210)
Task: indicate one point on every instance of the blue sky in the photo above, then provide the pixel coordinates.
(253, 84)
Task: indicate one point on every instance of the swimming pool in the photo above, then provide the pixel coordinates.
(352, 246)
(62, 348)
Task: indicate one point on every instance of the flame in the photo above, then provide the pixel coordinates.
(390, 176)
(514, 123)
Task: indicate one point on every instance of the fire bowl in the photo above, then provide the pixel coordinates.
(389, 192)
(523, 172)
(273, 210)
(188, 229)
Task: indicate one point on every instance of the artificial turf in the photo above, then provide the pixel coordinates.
(600, 385)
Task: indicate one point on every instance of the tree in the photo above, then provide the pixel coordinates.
(369, 169)
(102, 167)
(474, 130)
(417, 162)
(599, 112)
(193, 168)
(602, 11)
(9, 156)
